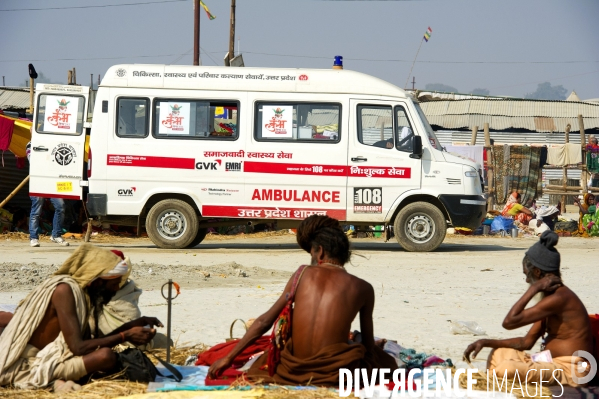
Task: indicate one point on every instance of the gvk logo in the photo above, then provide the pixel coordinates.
(126, 192)
(209, 165)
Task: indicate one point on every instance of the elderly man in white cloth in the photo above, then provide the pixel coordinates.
(46, 342)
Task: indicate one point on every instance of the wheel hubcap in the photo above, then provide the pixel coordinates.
(171, 224)
(420, 228)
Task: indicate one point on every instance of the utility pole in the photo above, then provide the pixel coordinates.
(232, 33)
(3, 81)
(91, 81)
(196, 32)
(413, 82)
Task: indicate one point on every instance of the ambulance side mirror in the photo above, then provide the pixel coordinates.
(417, 148)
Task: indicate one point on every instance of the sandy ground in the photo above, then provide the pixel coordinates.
(467, 278)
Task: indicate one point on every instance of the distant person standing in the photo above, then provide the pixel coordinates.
(36, 211)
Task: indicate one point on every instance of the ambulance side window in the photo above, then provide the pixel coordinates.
(375, 126)
(297, 122)
(195, 119)
(132, 116)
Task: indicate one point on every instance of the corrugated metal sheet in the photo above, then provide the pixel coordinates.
(502, 114)
(448, 137)
(10, 178)
(14, 98)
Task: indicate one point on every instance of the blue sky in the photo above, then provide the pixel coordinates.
(506, 46)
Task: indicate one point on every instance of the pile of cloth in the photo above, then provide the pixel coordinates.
(245, 365)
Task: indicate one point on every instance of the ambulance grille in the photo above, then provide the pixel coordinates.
(454, 181)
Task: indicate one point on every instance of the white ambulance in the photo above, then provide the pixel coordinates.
(179, 149)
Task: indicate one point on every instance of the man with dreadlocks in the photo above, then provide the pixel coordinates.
(45, 340)
(313, 316)
(560, 316)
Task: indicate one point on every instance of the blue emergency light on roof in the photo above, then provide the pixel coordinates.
(338, 63)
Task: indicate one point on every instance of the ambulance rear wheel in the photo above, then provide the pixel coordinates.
(420, 227)
(172, 224)
(199, 238)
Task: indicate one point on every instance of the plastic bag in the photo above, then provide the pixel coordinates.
(502, 223)
(466, 328)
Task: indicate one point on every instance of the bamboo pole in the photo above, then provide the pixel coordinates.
(565, 172)
(568, 193)
(474, 133)
(15, 191)
(583, 144)
(562, 188)
(490, 181)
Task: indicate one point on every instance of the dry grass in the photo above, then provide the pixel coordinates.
(179, 355)
(100, 389)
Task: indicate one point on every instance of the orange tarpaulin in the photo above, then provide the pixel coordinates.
(21, 135)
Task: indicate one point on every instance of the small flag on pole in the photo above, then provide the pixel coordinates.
(210, 16)
(427, 34)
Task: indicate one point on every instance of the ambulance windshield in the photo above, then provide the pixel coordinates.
(429, 130)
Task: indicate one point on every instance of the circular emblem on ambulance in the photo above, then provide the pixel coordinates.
(303, 77)
(64, 154)
(121, 72)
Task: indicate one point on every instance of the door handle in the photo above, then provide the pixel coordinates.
(40, 149)
(359, 159)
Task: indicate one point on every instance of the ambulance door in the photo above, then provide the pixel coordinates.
(380, 167)
(58, 142)
(295, 165)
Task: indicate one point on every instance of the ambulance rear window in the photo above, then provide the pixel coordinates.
(60, 114)
(297, 122)
(196, 119)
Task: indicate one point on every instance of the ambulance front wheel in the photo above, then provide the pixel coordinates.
(172, 224)
(420, 227)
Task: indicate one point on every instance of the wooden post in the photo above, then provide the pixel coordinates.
(88, 232)
(69, 77)
(74, 77)
(565, 172)
(490, 181)
(31, 83)
(15, 191)
(474, 133)
(583, 144)
(232, 33)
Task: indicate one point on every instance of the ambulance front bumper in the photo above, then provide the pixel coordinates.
(465, 210)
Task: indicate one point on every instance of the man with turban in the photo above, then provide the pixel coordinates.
(559, 317)
(45, 340)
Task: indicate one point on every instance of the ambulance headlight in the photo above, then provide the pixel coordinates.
(471, 173)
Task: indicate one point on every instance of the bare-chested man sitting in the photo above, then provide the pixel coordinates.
(327, 300)
(44, 342)
(560, 315)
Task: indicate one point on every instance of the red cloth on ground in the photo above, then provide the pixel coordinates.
(221, 350)
(6, 128)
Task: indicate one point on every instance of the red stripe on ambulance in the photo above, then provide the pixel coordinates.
(150, 162)
(268, 212)
(294, 168)
(327, 170)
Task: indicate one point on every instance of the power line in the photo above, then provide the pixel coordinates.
(314, 57)
(96, 6)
